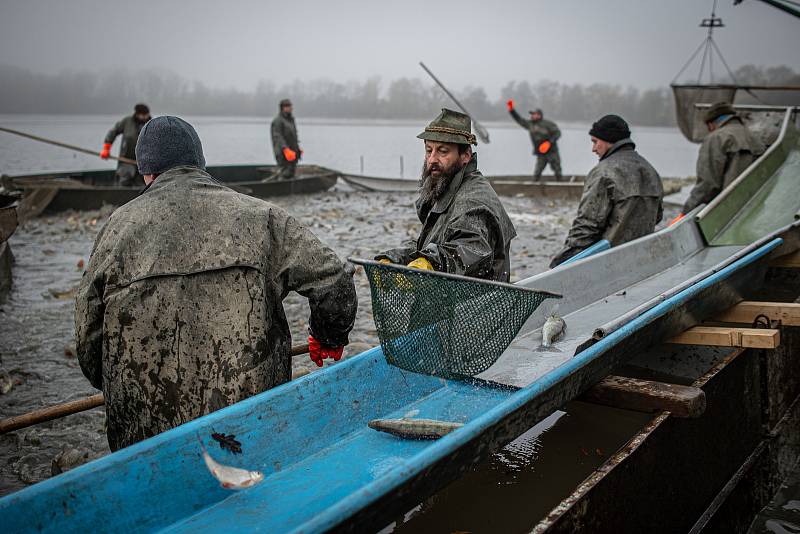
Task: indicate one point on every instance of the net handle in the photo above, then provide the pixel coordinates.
(462, 278)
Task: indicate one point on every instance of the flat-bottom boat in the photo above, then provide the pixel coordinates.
(88, 190)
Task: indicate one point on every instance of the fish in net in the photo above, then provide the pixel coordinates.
(445, 325)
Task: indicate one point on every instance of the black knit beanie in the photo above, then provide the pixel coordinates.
(611, 128)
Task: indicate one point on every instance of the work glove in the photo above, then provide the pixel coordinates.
(421, 263)
(544, 147)
(510, 105)
(319, 352)
(106, 152)
(289, 154)
(676, 219)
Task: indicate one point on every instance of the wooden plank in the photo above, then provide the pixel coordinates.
(788, 313)
(789, 260)
(721, 336)
(647, 396)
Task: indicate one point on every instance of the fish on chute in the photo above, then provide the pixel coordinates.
(552, 330)
(408, 428)
(229, 477)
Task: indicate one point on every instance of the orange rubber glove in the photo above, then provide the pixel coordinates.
(289, 154)
(319, 352)
(544, 147)
(510, 105)
(676, 219)
(106, 151)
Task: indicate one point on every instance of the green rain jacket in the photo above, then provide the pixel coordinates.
(724, 155)
(541, 130)
(621, 201)
(467, 231)
(179, 312)
(129, 129)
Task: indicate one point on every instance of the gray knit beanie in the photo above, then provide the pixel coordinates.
(167, 142)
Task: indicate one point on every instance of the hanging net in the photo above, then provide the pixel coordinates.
(690, 118)
(445, 325)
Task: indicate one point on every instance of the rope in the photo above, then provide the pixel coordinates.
(444, 129)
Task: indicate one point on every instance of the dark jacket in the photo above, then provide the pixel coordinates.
(621, 201)
(724, 155)
(467, 231)
(129, 129)
(541, 130)
(284, 134)
(179, 312)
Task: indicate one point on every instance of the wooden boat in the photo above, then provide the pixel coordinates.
(334, 472)
(8, 224)
(569, 188)
(86, 190)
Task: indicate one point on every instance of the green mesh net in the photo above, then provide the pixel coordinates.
(445, 325)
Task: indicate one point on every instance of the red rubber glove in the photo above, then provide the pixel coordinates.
(106, 151)
(510, 105)
(319, 352)
(544, 147)
(676, 219)
(289, 154)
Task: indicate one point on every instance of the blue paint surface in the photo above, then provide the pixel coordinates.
(600, 246)
(310, 439)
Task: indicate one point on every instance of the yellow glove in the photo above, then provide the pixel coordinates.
(421, 263)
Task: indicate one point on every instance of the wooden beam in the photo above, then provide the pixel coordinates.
(647, 396)
(721, 336)
(789, 260)
(788, 313)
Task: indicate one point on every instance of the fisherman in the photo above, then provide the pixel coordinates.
(179, 312)
(129, 128)
(726, 152)
(621, 196)
(544, 137)
(465, 228)
(284, 141)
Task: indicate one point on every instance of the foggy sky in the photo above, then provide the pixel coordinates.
(484, 43)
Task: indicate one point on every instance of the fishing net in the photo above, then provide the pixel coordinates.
(690, 118)
(445, 325)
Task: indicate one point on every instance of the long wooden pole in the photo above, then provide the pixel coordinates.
(64, 145)
(480, 130)
(68, 408)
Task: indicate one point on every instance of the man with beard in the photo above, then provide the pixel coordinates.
(285, 144)
(129, 129)
(465, 229)
(544, 138)
(621, 196)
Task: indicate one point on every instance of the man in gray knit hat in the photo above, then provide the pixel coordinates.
(465, 229)
(621, 196)
(179, 312)
(726, 152)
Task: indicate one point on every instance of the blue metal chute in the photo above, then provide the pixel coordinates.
(600, 246)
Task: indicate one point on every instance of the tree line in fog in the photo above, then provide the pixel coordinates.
(115, 92)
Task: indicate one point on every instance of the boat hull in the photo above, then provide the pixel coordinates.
(90, 190)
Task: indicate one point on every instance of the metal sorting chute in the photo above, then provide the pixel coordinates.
(442, 324)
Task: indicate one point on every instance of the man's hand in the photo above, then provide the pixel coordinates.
(289, 154)
(544, 147)
(510, 105)
(319, 352)
(106, 152)
(421, 263)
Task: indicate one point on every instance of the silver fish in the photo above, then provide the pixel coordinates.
(414, 428)
(553, 329)
(230, 477)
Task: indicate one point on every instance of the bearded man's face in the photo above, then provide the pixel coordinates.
(442, 162)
